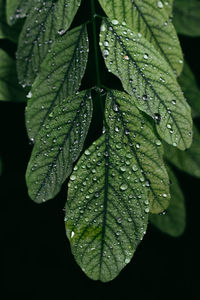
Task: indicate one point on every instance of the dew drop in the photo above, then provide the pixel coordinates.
(123, 187)
(61, 31)
(159, 4)
(115, 22)
(29, 95)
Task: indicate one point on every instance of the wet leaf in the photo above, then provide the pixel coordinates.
(151, 19)
(187, 17)
(61, 75)
(148, 79)
(109, 192)
(59, 144)
(10, 90)
(172, 221)
(43, 24)
(189, 160)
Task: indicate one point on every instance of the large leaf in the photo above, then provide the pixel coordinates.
(59, 144)
(187, 161)
(173, 221)
(190, 88)
(17, 9)
(10, 90)
(147, 77)
(42, 26)
(61, 75)
(152, 21)
(7, 32)
(187, 17)
(108, 203)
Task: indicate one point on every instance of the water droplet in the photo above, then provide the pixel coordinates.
(61, 31)
(126, 57)
(87, 152)
(72, 234)
(146, 210)
(158, 142)
(103, 27)
(29, 95)
(159, 4)
(174, 102)
(123, 168)
(134, 168)
(157, 118)
(115, 22)
(123, 187)
(146, 56)
(73, 177)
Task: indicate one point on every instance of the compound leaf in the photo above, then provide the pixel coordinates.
(148, 79)
(59, 144)
(108, 203)
(190, 88)
(187, 17)
(189, 160)
(42, 26)
(172, 221)
(17, 9)
(10, 90)
(61, 75)
(150, 19)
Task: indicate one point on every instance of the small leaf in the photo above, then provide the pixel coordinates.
(42, 26)
(150, 19)
(17, 9)
(189, 160)
(7, 32)
(187, 17)
(61, 75)
(190, 88)
(10, 90)
(172, 221)
(59, 144)
(148, 79)
(107, 206)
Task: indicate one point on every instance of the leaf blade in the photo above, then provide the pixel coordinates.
(147, 78)
(59, 80)
(10, 90)
(173, 222)
(150, 19)
(187, 17)
(187, 161)
(40, 30)
(59, 144)
(107, 206)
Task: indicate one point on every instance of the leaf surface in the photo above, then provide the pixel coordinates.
(61, 75)
(10, 90)
(40, 30)
(59, 144)
(187, 17)
(108, 203)
(148, 79)
(190, 88)
(189, 160)
(173, 221)
(150, 19)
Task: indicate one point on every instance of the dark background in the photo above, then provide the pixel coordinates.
(38, 263)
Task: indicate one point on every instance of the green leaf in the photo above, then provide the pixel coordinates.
(10, 90)
(189, 160)
(148, 79)
(59, 144)
(108, 203)
(17, 9)
(61, 75)
(7, 32)
(43, 24)
(173, 221)
(190, 88)
(150, 19)
(187, 17)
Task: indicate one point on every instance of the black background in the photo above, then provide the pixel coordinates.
(38, 263)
